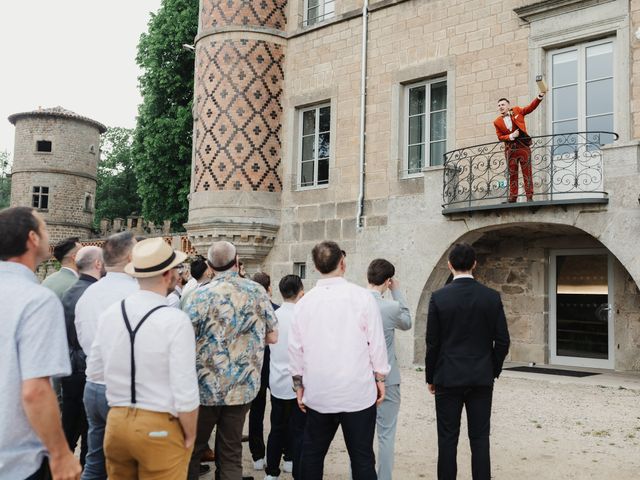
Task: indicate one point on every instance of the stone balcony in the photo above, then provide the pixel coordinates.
(566, 168)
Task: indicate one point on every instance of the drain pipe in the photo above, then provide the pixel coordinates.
(363, 108)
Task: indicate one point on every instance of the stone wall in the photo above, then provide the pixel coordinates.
(634, 9)
(69, 171)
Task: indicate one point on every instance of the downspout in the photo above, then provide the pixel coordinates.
(363, 108)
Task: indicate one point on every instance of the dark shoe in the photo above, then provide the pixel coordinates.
(529, 199)
(204, 469)
(245, 438)
(208, 456)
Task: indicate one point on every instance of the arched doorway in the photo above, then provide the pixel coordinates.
(568, 299)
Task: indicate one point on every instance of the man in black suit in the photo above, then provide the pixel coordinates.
(467, 342)
(90, 263)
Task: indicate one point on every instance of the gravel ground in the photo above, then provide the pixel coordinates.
(543, 427)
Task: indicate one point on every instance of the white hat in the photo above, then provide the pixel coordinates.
(152, 257)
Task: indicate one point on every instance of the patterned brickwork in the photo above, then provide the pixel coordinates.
(261, 13)
(239, 111)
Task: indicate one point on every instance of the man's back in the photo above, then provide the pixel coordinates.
(69, 301)
(395, 315)
(164, 352)
(96, 299)
(465, 319)
(32, 345)
(280, 382)
(231, 317)
(60, 281)
(338, 326)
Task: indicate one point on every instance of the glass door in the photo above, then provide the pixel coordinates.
(581, 317)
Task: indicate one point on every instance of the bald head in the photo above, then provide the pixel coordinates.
(223, 256)
(90, 261)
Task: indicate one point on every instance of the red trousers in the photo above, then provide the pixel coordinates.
(519, 156)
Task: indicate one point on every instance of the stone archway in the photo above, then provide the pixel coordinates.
(514, 259)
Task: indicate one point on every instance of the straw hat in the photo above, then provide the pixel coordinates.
(152, 257)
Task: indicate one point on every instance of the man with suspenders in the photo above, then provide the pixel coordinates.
(147, 354)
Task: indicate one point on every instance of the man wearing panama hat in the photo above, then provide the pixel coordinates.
(146, 352)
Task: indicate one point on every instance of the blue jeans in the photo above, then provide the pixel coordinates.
(96, 407)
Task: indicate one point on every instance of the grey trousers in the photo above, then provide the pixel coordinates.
(386, 424)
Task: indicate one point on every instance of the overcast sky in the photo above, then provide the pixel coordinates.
(79, 54)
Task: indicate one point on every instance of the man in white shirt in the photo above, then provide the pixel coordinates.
(146, 353)
(287, 420)
(335, 325)
(110, 289)
(201, 274)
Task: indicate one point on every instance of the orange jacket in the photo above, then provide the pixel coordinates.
(517, 120)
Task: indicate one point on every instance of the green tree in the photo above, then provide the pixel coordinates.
(5, 179)
(162, 140)
(116, 192)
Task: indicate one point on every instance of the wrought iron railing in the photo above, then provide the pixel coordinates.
(565, 168)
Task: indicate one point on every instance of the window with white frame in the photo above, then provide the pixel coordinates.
(426, 125)
(315, 145)
(582, 89)
(40, 198)
(316, 11)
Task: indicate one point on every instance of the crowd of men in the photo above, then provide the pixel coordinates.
(155, 373)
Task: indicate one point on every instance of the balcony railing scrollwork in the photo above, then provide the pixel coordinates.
(565, 168)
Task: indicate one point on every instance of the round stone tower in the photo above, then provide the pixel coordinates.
(55, 165)
(235, 179)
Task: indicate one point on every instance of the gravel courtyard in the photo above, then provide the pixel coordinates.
(543, 427)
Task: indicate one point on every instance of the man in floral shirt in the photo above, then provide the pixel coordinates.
(233, 321)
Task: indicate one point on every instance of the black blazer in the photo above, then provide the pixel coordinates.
(467, 335)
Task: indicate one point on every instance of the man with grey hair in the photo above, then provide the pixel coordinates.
(233, 321)
(90, 264)
(112, 288)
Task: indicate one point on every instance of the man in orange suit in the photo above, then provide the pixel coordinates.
(512, 129)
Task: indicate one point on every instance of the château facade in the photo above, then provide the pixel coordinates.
(282, 158)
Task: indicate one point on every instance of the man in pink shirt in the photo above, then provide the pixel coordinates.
(338, 360)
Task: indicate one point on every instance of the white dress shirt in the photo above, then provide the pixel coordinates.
(280, 382)
(173, 298)
(94, 301)
(507, 121)
(336, 342)
(165, 356)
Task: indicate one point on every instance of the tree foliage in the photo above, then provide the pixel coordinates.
(162, 141)
(5, 179)
(116, 192)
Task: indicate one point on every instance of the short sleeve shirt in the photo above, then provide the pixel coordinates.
(33, 344)
(231, 316)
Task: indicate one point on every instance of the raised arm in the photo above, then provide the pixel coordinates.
(533, 105)
(403, 315)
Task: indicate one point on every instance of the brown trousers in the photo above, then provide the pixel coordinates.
(144, 445)
(228, 422)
